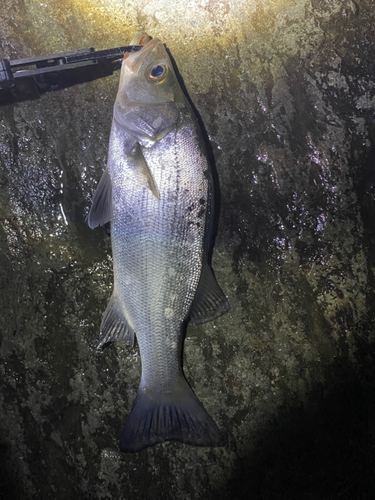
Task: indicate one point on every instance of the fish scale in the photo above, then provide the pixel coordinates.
(156, 193)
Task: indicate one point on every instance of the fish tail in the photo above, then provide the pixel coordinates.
(174, 416)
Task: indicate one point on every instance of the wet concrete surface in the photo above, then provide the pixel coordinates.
(285, 91)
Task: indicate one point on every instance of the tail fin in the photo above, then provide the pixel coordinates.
(173, 416)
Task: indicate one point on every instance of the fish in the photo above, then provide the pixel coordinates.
(157, 193)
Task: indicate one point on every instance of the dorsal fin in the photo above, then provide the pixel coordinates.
(209, 301)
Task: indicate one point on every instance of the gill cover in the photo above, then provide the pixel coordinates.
(149, 96)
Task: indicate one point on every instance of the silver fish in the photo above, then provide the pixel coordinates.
(157, 193)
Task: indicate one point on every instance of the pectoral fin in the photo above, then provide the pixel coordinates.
(139, 166)
(101, 209)
(209, 301)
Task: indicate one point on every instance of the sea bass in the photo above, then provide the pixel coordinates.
(157, 193)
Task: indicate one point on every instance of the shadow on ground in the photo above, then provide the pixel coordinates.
(325, 450)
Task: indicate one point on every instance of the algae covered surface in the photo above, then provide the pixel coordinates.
(286, 92)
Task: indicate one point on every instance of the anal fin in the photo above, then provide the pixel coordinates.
(114, 326)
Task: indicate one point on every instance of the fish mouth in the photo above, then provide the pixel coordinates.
(133, 60)
(141, 38)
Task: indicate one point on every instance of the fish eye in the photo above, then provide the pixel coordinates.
(157, 73)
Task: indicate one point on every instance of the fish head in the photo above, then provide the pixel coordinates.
(149, 96)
